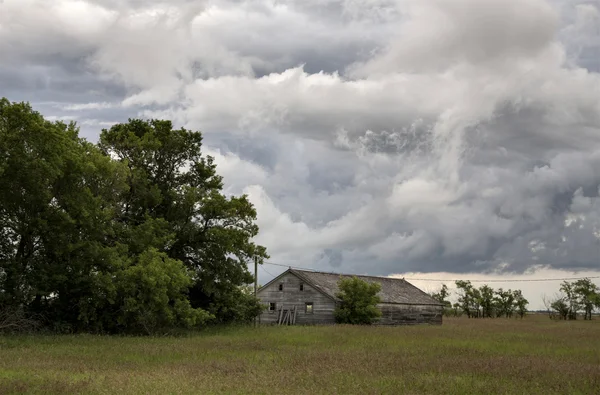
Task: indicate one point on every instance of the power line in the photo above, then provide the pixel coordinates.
(523, 280)
(454, 280)
(293, 267)
(288, 266)
(276, 264)
(266, 271)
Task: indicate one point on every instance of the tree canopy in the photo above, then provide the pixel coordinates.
(132, 234)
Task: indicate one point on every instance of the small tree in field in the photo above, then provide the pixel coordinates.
(520, 303)
(358, 302)
(442, 296)
(505, 303)
(587, 293)
(561, 307)
(466, 297)
(486, 294)
(572, 299)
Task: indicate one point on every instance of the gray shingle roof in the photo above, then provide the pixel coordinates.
(393, 290)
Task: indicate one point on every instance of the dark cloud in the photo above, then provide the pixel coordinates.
(331, 258)
(60, 82)
(382, 136)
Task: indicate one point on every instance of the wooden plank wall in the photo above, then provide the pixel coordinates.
(398, 314)
(323, 306)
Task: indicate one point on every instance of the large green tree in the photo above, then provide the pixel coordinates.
(175, 204)
(130, 235)
(56, 207)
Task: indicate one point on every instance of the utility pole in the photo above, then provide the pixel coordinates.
(255, 275)
(255, 282)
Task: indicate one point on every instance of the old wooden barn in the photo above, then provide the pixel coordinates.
(308, 297)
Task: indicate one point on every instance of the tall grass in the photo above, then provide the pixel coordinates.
(530, 356)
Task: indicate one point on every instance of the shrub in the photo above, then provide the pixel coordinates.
(358, 302)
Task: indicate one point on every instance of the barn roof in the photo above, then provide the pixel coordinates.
(393, 290)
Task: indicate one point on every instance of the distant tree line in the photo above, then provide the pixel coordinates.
(482, 302)
(581, 296)
(129, 235)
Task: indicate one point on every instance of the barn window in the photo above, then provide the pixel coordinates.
(281, 287)
(272, 307)
(301, 287)
(309, 308)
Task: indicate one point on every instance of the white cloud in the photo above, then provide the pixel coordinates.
(88, 106)
(493, 34)
(378, 135)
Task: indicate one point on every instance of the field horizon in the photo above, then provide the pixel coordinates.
(535, 355)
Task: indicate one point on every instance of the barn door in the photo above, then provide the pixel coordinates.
(286, 316)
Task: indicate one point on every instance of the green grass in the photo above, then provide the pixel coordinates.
(533, 356)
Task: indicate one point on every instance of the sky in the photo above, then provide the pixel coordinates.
(424, 138)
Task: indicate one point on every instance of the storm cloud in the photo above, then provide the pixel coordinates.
(374, 136)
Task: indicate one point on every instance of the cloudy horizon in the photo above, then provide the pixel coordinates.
(449, 138)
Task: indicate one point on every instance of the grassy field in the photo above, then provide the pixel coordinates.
(533, 356)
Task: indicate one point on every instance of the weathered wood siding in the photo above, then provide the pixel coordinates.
(402, 314)
(324, 306)
(290, 296)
